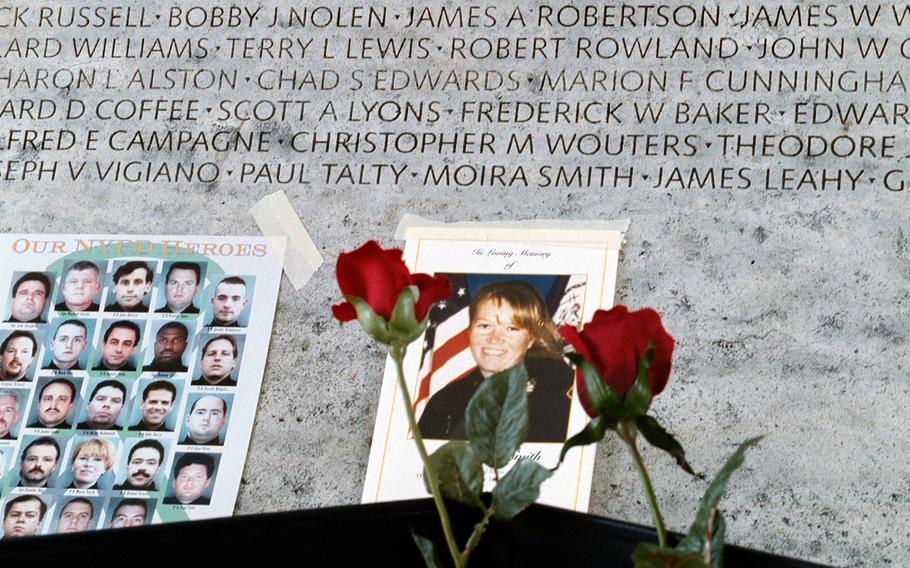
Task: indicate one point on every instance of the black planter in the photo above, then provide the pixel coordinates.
(365, 535)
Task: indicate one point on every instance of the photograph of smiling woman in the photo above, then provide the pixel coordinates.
(91, 459)
(509, 323)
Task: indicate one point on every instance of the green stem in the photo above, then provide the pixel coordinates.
(398, 352)
(479, 528)
(628, 433)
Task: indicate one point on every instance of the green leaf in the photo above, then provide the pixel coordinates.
(655, 434)
(518, 489)
(403, 325)
(695, 539)
(459, 472)
(652, 556)
(403, 319)
(592, 433)
(496, 419)
(375, 326)
(638, 399)
(427, 550)
(601, 396)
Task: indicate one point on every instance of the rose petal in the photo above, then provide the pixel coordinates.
(615, 347)
(344, 312)
(570, 335)
(659, 373)
(615, 340)
(432, 289)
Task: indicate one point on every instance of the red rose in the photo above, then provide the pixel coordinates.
(614, 342)
(378, 276)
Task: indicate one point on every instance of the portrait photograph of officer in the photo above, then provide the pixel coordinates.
(129, 284)
(141, 464)
(156, 405)
(229, 304)
(206, 419)
(77, 514)
(179, 288)
(12, 409)
(38, 461)
(68, 344)
(80, 287)
(23, 515)
(219, 360)
(54, 401)
(29, 297)
(509, 320)
(106, 399)
(168, 352)
(89, 463)
(19, 354)
(119, 345)
(130, 512)
(192, 479)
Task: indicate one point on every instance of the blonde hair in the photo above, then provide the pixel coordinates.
(98, 447)
(529, 313)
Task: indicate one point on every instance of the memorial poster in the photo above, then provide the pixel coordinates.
(130, 369)
(508, 298)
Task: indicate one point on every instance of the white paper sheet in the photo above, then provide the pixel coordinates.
(573, 278)
(191, 397)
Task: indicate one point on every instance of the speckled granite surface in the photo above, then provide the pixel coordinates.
(790, 310)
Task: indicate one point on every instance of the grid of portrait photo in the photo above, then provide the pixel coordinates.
(118, 379)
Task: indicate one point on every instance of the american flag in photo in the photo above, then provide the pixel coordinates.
(446, 352)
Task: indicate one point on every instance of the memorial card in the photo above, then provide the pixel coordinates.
(508, 298)
(130, 369)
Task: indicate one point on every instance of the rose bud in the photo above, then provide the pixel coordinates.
(390, 302)
(614, 342)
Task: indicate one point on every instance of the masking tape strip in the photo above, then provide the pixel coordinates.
(554, 231)
(278, 221)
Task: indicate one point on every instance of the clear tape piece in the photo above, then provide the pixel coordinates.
(284, 230)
